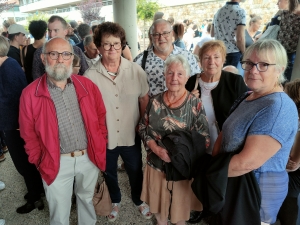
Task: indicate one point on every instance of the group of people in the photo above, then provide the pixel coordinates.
(80, 107)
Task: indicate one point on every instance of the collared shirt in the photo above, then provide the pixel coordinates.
(155, 68)
(91, 62)
(225, 24)
(121, 99)
(72, 133)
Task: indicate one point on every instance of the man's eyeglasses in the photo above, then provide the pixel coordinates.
(116, 45)
(54, 55)
(164, 34)
(261, 66)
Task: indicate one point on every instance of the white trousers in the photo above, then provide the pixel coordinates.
(59, 193)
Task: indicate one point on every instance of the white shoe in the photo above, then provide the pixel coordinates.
(2, 186)
(2, 222)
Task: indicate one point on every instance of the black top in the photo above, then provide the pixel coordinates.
(229, 88)
(15, 54)
(75, 38)
(28, 59)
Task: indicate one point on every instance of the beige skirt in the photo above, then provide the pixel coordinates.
(157, 195)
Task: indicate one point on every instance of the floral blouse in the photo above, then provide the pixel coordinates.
(160, 120)
(288, 34)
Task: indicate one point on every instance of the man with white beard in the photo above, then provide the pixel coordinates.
(62, 121)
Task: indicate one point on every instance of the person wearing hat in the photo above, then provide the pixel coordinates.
(17, 36)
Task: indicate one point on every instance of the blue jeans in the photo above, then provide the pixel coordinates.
(233, 59)
(132, 157)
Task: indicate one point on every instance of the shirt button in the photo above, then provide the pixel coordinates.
(117, 119)
(117, 107)
(116, 95)
(114, 83)
(117, 131)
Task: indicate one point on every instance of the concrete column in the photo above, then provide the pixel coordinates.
(125, 15)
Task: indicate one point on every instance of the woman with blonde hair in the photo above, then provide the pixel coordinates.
(261, 130)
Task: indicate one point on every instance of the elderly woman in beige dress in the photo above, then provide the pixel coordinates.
(173, 110)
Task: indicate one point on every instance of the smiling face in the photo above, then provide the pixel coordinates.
(212, 62)
(261, 82)
(112, 54)
(162, 44)
(176, 77)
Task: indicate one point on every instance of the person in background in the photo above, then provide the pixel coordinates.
(196, 31)
(288, 211)
(83, 31)
(204, 38)
(232, 33)
(158, 15)
(173, 110)
(70, 33)
(17, 36)
(38, 29)
(57, 27)
(178, 30)
(171, 20)
(289, 34)
(76, 65)
(231, 69)
(125, 94)
(91, 52)
(252, 30)
(188, 38)
(14, 80)
(75, 37)
(161, 32)
(261, 130)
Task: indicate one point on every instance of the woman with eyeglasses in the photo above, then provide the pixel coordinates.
(124, 89)
(261, 130)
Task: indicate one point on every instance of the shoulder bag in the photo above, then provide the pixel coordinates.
(101, 199)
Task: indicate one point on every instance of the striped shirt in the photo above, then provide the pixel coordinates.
(72, 133)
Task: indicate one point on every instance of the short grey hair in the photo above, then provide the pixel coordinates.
(270, 47)
(88, 40)
(158, 22)
(4, 46)
(178, 59)
(47, 42)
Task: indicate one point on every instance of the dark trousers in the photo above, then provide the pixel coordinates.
(289, 68)
(2, 141)
(29, 172)
(233, 59)
(132, 157)
(288, 212)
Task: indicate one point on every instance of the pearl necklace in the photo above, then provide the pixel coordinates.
(172, 103)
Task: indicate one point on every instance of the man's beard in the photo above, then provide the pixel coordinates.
(59, 71)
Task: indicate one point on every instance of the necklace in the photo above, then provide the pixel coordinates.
(172, 103)
(112, 74)
(207, 87)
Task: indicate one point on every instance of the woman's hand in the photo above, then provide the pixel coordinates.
(196, 93)
(163, 154)
(292, 166)
(159, 151)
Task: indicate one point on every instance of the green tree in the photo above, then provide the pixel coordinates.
(145, 11)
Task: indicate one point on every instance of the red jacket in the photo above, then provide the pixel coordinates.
(39, 125)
